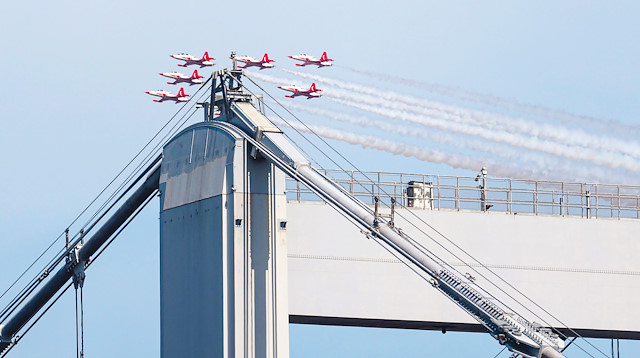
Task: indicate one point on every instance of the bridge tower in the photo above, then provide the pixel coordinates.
(222, 245)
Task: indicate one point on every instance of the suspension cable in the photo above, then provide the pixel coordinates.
(81, 323)
(93, 259)
(166, 138)
(415, 215)
(52, 263)
(19, 338)
(100, 193)
(77, 343)
(32, 285)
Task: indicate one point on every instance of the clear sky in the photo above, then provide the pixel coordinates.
(74, 112)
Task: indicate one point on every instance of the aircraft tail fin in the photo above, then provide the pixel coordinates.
(195, 74)
(265, 58)
(313, 88)
(181, 93)
(206, 56)
(324, 57)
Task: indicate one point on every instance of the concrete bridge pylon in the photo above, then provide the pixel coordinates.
(222, 244)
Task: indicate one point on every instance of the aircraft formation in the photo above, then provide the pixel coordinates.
(248, 61)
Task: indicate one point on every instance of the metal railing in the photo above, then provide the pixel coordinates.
(516, 196)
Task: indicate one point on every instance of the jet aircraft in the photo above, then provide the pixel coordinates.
(310, 60)
(192, 60)
(312, 92)
(178, 77)
(252, 62)
(168, 96)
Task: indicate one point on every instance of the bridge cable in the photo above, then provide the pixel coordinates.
(96, 198)
(165, 140)
(39, 278)
(568, 344)
(20, 298)
(422, 231)
(173, 131)
(502, 350)
(421, 246)
(77, 335)
(81, 323)
(18, 338)
(35, 282)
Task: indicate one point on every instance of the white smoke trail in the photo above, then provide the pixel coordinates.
(547, 131)
(421, 153)
(612, 161)
(498, 168)
(505, 152)
(506, 103)
(373, 105)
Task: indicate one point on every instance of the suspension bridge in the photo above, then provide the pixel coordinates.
(253, 236)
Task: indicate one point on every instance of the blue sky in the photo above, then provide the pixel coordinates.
(75, 111)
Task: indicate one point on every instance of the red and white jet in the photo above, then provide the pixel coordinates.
(312, 92)
(195, 78)
(252, 62)
(192, 60)
(310, 60)
(168, 96)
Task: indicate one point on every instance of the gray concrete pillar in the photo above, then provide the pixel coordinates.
(223, 249)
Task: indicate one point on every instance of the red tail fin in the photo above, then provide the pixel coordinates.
(195, 74)
(181, 93)
(206, 56)
(324, 57)
(265, 58)
(312, 88)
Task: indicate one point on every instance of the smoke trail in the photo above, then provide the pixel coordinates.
(609, 160)
(512, 125)
(499, 168)
(373, 105)
(424, 154)
(505, 152)
(506, 103)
